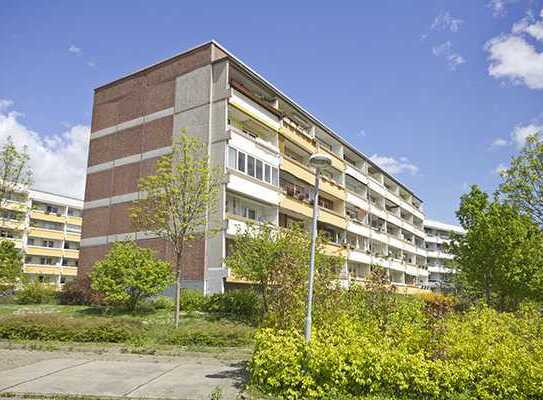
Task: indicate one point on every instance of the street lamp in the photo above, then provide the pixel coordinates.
(319, 162)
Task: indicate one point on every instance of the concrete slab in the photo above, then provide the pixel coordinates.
(99, 378)
(195, 381)
(16, 376)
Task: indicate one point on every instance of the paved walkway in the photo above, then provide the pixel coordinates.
(194, 376)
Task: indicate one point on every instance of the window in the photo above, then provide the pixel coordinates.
(52, 210)
(73, 228)
(232, 157)
(250, 166)
(259, 167)
(30, 241)
(74, 212)
(267, 173)
(241, 161)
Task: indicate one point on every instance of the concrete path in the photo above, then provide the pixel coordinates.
(194, 376)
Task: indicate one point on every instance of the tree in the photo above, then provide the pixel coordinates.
(128, 274)
(500, 257)
(522, 183)
(179, 201)
(276, 260)
(15, 173)
(11, 266)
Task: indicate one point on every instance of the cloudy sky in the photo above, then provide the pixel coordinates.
(440, 93)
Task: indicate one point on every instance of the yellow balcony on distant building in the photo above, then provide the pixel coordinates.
(332, 218)
(337, 162)
(305, 174)
(296, 206)
(44, 251)
(73, 237)
(46, 233)
(43, 216)
(297, 137)
(69, 271)
(74, 220)
(332, 249)
(69, 253)
(42, 269)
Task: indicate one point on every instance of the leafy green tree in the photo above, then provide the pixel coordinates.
(15, 174)
(500, 257)
(276, 260)
(522, 183)
(128, 274)
(11, 266)
(180, 200)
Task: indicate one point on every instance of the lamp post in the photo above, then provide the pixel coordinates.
(319, 162)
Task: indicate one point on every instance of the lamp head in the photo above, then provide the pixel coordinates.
(321, 161)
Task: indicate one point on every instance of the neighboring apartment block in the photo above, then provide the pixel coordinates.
(263, 140)
(438, 235)
(47, 228)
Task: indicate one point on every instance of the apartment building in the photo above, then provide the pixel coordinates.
(440, 270)
(263, 140)
(47, 228)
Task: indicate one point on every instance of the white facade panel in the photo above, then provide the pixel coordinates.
(250, 188)
(349, 170)
(359, 256)
(255, 147)
(356, 200)
(359, 229)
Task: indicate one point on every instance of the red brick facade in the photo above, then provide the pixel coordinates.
(127, 99)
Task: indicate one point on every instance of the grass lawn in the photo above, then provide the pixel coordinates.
(146, 331)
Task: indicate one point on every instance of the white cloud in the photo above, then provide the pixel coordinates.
(445, 22)
(58, 161)
(499, 142)
(514, 58)
(521, 132)
(5, 104)
(74, 49)
(395, 166)
(498, 7)
(446, 51)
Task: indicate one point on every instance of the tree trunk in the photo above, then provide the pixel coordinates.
(177, 289)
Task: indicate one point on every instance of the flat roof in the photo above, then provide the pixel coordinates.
(443, 226)
(278, 92)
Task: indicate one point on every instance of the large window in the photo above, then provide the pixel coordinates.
(252, 166)
(243, 208)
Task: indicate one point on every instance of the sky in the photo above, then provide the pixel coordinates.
(440, 93)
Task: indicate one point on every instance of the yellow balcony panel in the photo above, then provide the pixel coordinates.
(74, 220)
(43, 216)
(44, 251)
(332, 218)
(69, 253)
(73, 237)
(337, 162)
(298, 170)
(299, 138)
(42, 269)
(296, 206)
(333, 189)
(302, 172)
(331, 249)
(46, 233)
(69, 271)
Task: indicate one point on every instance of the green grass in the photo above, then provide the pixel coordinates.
(155, 331)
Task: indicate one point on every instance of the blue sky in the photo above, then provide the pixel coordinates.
(439, 92)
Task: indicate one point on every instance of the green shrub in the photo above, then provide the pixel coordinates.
(65, 329)
(163, 303)
(36, 293)
(245, 305)
(482, 354)
(79, 292)
(192, 300)
(208, 334)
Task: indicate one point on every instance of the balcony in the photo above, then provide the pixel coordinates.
(44, 251)
(294, 134)
(48, 233)
(304, 173)
(50, 217)
(71, 253)
(254, 109)
(337, 162)
(334, 250)
(74, 220)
